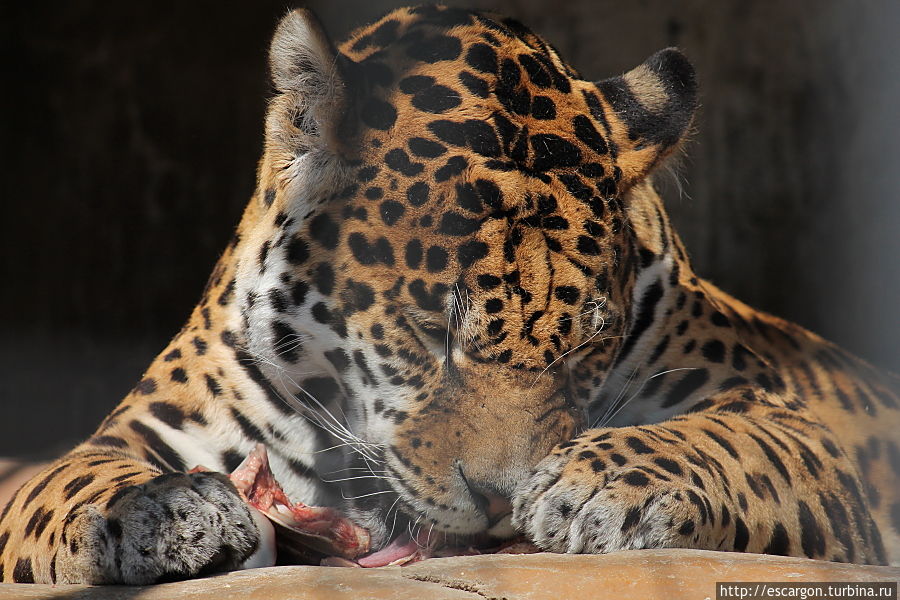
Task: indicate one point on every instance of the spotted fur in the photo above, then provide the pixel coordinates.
(455, 281)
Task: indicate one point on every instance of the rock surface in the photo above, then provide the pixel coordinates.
(670, 574)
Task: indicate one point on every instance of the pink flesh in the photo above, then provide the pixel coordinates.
(254, 480)
(326, 527)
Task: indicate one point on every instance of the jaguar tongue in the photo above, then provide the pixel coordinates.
(402, 550)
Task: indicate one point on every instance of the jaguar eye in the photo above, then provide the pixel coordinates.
(434, 335)
(433, 331)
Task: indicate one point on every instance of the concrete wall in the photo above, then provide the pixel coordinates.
(131, 130)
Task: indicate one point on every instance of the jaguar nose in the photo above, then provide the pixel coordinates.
(492, 505)
(496, 507)
(499, 513)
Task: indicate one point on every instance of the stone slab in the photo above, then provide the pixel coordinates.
(632, 575)
(273, 583)
(641, 574)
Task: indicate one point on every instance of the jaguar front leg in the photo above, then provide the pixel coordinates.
(104, 517)
(741, 475)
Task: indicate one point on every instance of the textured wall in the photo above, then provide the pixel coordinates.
(131, 130)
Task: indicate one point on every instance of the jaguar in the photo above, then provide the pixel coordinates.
(455, 302)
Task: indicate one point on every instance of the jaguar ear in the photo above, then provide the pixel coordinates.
(301, 56)
(655, 104)
(305, 72)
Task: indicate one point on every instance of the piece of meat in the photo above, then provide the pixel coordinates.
(300, 528)
(322, 529)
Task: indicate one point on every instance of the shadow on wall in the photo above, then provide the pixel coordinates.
(136, 127)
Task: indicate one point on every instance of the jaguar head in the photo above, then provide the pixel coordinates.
(440, 247)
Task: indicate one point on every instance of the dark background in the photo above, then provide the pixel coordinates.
(130, 134)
